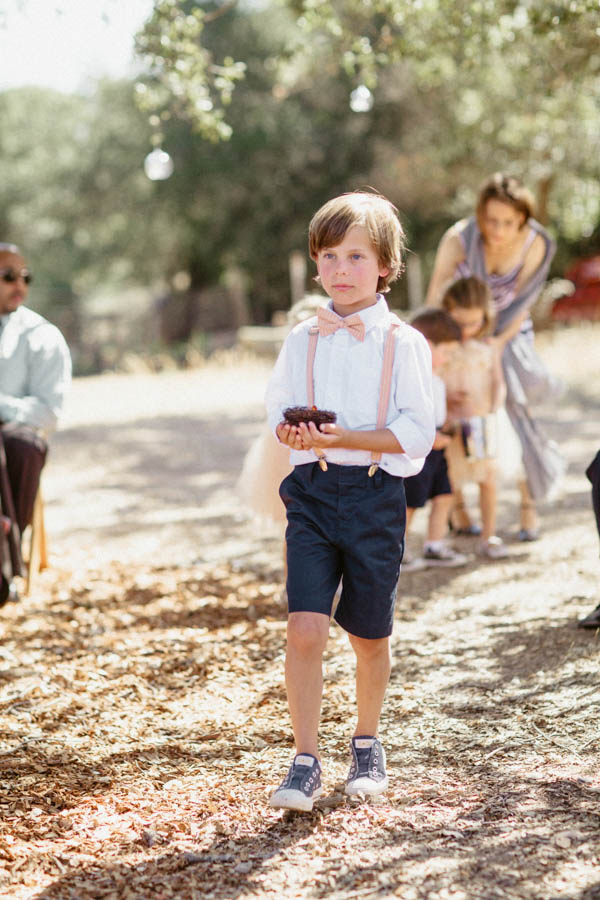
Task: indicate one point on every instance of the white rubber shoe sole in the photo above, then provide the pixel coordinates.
(366, 786)
(291, 799)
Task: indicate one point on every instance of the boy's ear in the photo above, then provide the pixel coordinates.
(384, 271)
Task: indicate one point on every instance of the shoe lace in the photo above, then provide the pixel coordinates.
(363, 761)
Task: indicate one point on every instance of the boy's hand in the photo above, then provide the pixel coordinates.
(441, 440)
(329, 435)
(289, 435)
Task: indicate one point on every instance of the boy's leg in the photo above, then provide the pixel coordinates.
(373, 667)
(306, 638)
(441, 506)
(307, 634)
(367, 775)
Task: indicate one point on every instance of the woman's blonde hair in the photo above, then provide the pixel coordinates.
(471, 293)
(374, 212)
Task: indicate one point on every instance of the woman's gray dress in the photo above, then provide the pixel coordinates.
(527, 380)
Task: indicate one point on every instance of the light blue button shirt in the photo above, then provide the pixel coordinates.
(35, 370)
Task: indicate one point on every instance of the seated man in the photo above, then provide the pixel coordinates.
(593, 473)
(35, 374)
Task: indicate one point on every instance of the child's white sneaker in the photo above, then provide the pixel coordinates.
(367, 773)
(412, 563)
(494, 548)
(301, 786)
(443, 555)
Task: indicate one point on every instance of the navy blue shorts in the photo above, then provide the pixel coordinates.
(430, 482)
(343, 524)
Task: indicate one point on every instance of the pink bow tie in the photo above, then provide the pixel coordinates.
(329, 322)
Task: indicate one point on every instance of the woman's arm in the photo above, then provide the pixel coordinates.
(498, 383)
(450, 253)
(533, 260)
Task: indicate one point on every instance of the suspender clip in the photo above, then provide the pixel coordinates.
(372, 469)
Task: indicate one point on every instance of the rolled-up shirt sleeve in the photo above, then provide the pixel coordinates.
(414, 426)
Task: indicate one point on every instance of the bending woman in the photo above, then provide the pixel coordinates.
(504, 246)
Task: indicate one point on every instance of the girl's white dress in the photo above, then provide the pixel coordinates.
(267, 461)
(265, 466)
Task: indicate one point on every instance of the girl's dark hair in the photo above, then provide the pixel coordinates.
(470, 293)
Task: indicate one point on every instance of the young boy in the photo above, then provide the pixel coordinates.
(432, 483)
(346, 514)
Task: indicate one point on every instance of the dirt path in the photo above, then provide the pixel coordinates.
(142, 712)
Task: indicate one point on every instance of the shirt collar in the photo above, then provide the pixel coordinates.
(371, 315)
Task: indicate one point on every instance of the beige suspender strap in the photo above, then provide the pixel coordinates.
(385, 385)
(313, 337)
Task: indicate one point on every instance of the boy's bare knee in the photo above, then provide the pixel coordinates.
(370, 649)
(307, 632)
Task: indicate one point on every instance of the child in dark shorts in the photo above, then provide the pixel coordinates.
(345, 495)
(432, 482)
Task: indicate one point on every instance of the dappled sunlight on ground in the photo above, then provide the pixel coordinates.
(142, 709)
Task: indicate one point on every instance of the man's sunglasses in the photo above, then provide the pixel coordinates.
(11, 275)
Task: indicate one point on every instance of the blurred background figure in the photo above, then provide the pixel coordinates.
(476, 391)
(503, 245)
(35, 375)
(432, 482)
(593, 473)
(267, 462)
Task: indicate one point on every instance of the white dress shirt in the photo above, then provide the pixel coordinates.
(35, 370)
(439, 401)
(347, 375)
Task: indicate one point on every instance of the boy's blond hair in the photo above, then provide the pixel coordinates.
(374, 212)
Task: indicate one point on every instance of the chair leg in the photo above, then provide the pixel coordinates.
(38, 546)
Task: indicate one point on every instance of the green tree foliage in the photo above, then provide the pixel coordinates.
(75, 196)
(514, 83)
(247, 201)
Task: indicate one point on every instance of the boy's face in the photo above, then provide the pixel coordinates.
(441, 353)
(350, 271)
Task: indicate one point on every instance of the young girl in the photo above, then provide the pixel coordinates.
(267, 462)
(475, 392)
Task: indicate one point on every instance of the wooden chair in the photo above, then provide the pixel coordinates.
(38, 545)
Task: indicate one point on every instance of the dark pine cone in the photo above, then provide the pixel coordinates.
(296, 414)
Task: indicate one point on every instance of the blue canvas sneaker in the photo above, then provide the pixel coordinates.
(301, 786)
(367, 773)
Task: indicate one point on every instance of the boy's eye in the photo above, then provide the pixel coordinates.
(328, 255)
(357, 256)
